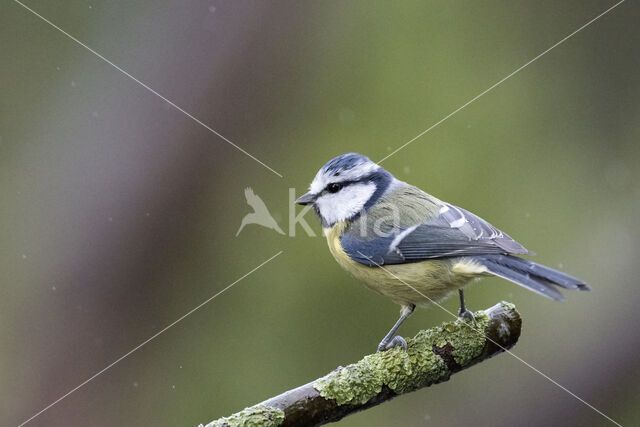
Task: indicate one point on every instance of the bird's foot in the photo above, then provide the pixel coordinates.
(396, 341)
(466, 315)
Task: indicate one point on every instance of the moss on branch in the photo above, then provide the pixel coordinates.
(432, 356)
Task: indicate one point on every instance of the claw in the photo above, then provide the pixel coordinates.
(397, 341)
(467, 315)
(463, 313)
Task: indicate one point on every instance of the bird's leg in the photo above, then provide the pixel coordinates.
(390, 340)
(463, 313)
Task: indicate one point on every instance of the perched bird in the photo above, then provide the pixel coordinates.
(260, 214)
(411, 247)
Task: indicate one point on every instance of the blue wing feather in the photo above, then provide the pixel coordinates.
(454, 232)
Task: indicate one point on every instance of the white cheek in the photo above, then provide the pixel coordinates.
(345, 203)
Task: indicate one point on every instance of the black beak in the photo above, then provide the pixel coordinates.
(306, 199)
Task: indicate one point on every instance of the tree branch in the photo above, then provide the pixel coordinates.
(432, 356)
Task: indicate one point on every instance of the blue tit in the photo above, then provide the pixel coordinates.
(412, 247)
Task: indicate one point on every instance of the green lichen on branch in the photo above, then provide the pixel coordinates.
(467, 341)
(254, 416)
(432, 356)
(406, 371)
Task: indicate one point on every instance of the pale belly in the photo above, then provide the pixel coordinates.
(419, 283)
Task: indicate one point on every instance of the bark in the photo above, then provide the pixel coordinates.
(432, 356)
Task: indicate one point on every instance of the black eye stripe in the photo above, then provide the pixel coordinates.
(334, 187)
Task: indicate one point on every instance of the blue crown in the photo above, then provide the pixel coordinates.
(344, 162)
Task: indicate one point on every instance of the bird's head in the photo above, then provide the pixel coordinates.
(344, 187)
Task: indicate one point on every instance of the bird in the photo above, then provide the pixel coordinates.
(411, 247)
(260, 214)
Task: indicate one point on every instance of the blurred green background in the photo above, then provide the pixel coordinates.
(118, 213)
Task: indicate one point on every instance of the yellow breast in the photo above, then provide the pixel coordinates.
(417, 283)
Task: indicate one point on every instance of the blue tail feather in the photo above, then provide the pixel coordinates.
(536, 277)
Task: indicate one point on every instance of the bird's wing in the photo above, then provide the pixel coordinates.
(453, 232)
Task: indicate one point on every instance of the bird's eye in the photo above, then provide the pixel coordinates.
(334, 187)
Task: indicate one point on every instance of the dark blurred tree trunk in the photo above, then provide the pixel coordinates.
(160, 180)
